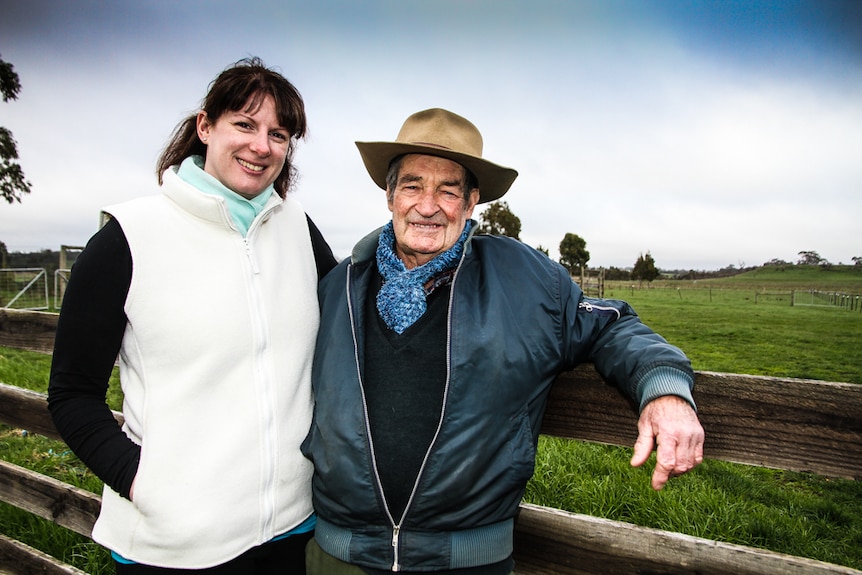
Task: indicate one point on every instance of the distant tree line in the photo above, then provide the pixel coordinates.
(810, 258)
(49, 260)
(498, 219)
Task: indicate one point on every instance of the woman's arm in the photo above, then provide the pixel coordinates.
(89, 334)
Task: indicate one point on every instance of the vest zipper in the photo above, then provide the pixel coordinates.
(266, 405)
(252, 229)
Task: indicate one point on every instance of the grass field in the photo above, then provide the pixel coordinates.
(719, 325)
(723, 329)
(30, 370)
(833, 278)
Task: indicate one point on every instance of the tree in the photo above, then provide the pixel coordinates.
(12, 182)
(573, 253)
(857, 261)
(809, 258)
(645, 269)
(543, 249)
(498, 220)
(615, 274)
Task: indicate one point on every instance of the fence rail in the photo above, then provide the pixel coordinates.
(852, 302)
(793, 424)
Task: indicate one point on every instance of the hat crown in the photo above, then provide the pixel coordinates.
(442, 129)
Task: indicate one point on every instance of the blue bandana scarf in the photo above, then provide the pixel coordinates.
(401, 299)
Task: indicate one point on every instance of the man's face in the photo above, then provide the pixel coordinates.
(428, 207)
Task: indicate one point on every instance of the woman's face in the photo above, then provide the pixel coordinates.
(246, 148)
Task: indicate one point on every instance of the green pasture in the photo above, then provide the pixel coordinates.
(728, 326)
(831, 278)
(722, 326)
(30, 370)
(752, 330)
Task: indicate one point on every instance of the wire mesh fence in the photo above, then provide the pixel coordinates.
(24, 288)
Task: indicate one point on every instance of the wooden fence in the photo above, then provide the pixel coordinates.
(792, 424)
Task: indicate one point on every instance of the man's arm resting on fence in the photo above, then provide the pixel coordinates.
(657, 377)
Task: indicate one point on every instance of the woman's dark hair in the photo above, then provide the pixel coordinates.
(242, 86)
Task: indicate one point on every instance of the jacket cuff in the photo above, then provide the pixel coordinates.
(666, 380)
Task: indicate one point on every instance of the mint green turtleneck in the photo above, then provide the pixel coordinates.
(242, 211)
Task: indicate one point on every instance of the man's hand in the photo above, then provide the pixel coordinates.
(670, 423)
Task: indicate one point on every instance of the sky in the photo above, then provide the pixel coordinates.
(709, 134)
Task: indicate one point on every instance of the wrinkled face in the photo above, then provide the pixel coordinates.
(246, 148)
(429, 207)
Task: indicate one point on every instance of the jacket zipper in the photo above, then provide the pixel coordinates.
(396, 531)
(396, 527)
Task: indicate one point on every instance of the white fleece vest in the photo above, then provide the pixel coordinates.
(215, 366)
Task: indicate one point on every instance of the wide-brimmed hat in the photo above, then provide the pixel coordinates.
(438, 132)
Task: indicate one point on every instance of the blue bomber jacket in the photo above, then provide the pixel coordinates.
(515, 321)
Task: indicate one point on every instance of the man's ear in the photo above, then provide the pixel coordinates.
(471, 202)
(389, 197)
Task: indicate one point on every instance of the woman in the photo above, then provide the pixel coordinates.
(207, 292)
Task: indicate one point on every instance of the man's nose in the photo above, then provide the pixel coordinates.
(427, 202)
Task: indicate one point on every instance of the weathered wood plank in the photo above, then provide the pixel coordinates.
(553, 542)
(19, 559)
(582, 406)
(30, 330)
(65, 505)
(793, 424)
(26, 409)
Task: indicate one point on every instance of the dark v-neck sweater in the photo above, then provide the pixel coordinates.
(405, 380)
(405, 377)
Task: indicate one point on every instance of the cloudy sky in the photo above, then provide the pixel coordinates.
(707, 133)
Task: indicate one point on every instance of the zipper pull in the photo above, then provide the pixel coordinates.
(249, 252)
(396, 531)
(585, 305)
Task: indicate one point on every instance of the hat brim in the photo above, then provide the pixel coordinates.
(494, 180)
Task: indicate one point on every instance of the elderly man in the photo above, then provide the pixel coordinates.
(436, 351)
